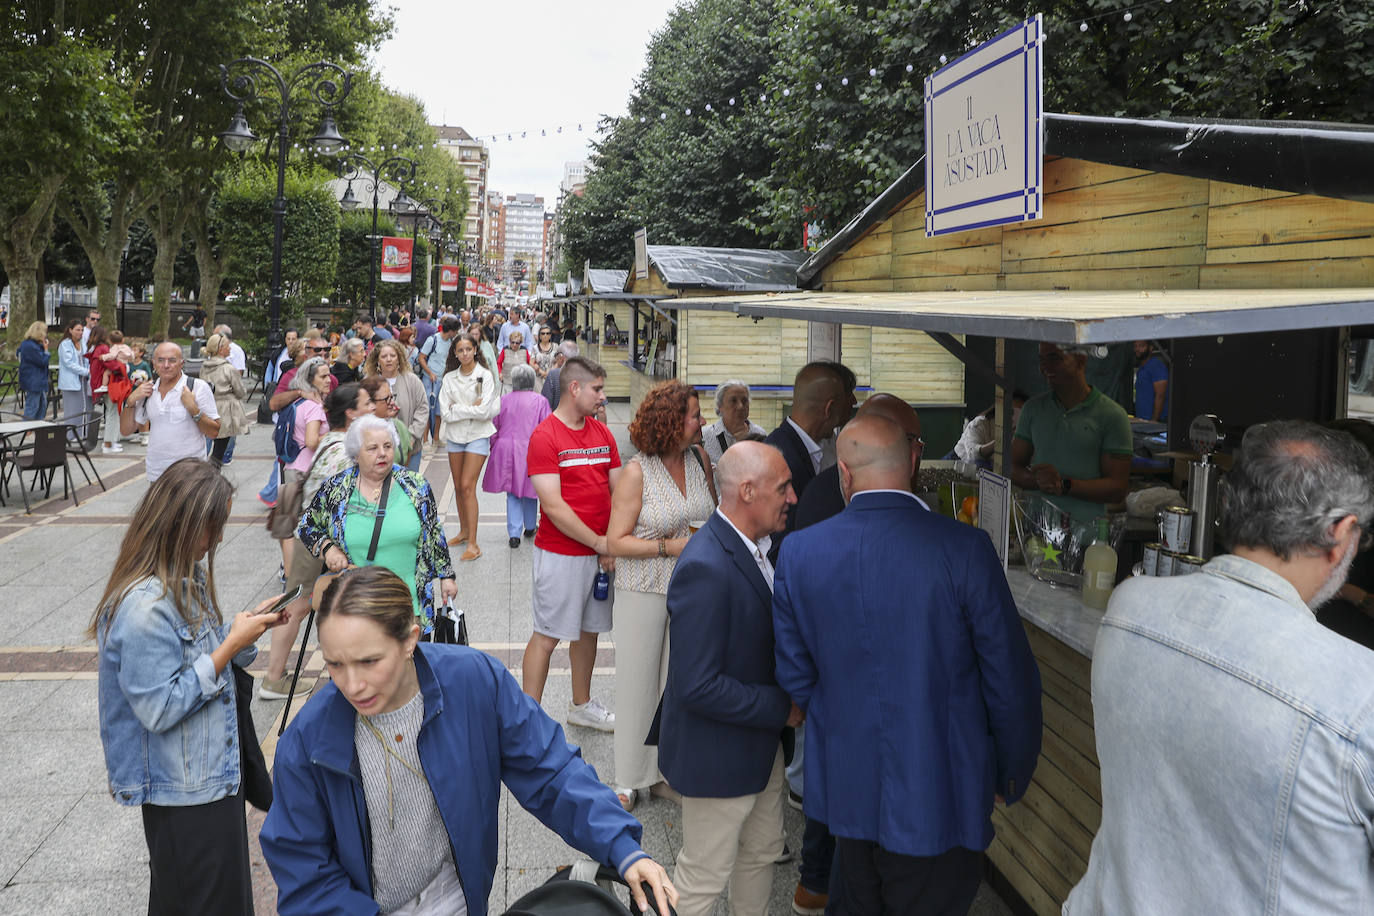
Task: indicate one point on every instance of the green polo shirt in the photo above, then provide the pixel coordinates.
(1074, 440)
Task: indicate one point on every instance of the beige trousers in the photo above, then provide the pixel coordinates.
(640, 625)
(734, 841)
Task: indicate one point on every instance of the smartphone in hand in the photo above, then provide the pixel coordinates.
(279, 606)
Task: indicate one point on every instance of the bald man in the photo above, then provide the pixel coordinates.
(820, 403)
(894, 621)
(720, 727)
(181, 412)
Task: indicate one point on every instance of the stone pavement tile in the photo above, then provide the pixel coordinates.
(19, 698)
(72, 704)
(52, 762)
(39, 551)
(53, 623)
(117, 896)
(24, 824)
(96, 841)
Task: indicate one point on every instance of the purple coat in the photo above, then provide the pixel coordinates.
(521, 412)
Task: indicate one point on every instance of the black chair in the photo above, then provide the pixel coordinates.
(9, 382)
(88, 429)
(43, 451)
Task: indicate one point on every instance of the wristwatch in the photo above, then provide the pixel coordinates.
(195, 417)
(662, 548)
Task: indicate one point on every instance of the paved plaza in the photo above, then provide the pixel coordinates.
(66, 849)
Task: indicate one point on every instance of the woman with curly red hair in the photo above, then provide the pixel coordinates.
(661, 489)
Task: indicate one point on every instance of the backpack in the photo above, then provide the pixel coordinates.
(284, 434)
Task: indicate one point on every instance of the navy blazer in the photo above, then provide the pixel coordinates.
(897, 634)
(786, 440)
(722, 715)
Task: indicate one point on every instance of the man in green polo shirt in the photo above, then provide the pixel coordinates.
(1079, 439)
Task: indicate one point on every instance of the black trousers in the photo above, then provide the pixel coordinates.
(198, 859)
(877, 881)
(217, 449)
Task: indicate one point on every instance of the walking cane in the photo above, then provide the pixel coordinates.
(296, 676)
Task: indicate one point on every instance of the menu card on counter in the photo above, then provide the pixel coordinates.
(994, 510)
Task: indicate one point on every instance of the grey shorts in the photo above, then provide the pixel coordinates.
(562, 596)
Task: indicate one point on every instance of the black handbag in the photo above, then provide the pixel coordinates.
(257, 781)
(265, 411)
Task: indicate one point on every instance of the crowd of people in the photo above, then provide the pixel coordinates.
(793, 625)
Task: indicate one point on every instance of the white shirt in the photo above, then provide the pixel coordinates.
(237, 358)
(812, 448)
(758, 548)
(173, 435)
(918, 499)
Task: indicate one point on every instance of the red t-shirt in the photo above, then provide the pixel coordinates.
(583, 460)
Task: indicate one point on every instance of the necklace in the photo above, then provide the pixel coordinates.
(376, 490)
(389, 753)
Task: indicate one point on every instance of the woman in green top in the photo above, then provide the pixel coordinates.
(342, 521)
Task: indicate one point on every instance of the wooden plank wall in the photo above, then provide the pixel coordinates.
(1042, 842)
(1105, 227)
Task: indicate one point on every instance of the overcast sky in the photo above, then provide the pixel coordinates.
(521, 65)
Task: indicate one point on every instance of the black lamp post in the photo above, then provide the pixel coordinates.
(328, 84)
(356, 167)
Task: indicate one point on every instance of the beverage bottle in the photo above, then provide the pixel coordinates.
(1099, 569)
(603, 585)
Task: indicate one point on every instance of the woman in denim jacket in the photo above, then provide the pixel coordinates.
(168, 714)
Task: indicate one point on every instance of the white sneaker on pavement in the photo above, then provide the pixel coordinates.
(108, 449)
(591, 714)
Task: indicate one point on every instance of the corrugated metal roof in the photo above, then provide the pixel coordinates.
(732, 269)
(606, 281)
(1063, 316)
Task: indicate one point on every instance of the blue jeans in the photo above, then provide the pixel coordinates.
(268, 494)
(35, 404)
(228, 452)
(414, 462)
(522, 512)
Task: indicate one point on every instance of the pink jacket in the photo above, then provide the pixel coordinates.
(521, 412)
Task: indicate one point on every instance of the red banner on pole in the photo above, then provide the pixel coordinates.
(448, 278)
(470, 288)
(396, 254)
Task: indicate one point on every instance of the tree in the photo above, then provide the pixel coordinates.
(61, 109)
(355, 251)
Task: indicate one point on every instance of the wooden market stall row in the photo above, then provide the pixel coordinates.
(1229, 239)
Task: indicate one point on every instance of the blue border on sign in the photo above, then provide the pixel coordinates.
(1031, 39)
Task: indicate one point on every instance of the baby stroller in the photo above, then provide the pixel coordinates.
(583, 889)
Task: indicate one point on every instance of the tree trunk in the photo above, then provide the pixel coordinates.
(104, 239)
(21, 252)
(212, 269)
(168, 224)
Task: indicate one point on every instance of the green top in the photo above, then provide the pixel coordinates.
(397, 548)
(1074, 441)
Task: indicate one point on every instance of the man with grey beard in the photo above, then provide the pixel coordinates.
(1235, 733)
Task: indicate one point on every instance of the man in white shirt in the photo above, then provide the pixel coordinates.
(180, 410)
(515, 323)
(237, 358)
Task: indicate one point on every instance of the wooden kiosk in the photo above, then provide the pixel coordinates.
(1231, 240)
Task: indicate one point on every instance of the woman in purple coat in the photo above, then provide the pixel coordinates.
(521, 411)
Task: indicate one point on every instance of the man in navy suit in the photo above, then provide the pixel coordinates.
(897, 634)
(820, 403)
(723, 714)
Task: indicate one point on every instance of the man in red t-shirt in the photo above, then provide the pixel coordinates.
(574, 464)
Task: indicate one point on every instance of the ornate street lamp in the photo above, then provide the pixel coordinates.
(328, 85)
(357, 167)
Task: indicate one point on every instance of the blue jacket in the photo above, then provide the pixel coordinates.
(168, 724)
(33, 366)
(786, 440)
(71, 368)
(722, 715)
(479, 730)
(897, 634)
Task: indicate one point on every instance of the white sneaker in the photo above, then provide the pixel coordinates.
(108, 449)
(591, 714)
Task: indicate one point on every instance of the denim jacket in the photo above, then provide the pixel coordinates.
(168, 724)
(71, 368)
(1236, 738)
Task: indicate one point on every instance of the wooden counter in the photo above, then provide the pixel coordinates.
(1041, 848)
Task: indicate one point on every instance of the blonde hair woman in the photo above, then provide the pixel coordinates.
(169, 720)
(33, 371)
(389, 360)
(227, 384)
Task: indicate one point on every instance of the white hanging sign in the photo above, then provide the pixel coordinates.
(985, 135)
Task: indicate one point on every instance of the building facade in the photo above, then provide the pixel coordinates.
(475, 159)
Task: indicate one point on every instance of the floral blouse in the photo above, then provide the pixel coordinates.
(322, 524)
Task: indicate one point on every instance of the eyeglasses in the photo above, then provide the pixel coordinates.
(389, 399)
(92, 318)
(916, 440)
(323, 349)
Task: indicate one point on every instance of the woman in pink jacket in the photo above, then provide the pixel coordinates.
(521, 411)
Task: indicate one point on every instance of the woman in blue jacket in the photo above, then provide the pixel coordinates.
(387, 783)
(168, 713)
(33, 371)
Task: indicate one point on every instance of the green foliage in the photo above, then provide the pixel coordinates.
(310, 240)
(356, 253)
